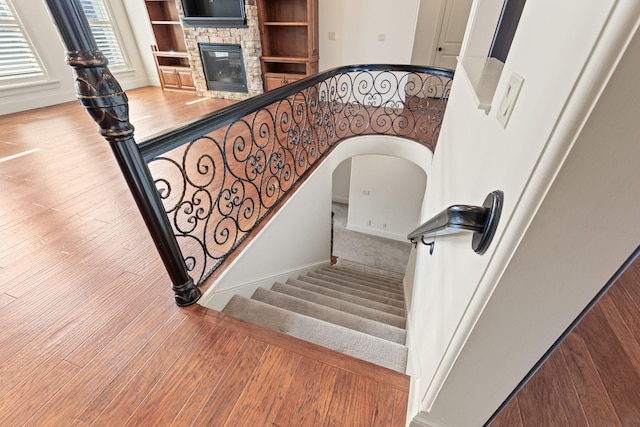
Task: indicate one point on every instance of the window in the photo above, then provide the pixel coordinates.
(104, 32)
(17, 56)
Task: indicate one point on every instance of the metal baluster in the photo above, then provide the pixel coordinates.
(106, 102)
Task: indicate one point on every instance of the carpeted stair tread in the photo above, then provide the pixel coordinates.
(396, 288)
(384, 289)
(359, 285)
(369, 270)
(350, 290)
(352, 343)
(396, 285)
(327, 314)
(364, 302)
(394, 279)
(340, 304)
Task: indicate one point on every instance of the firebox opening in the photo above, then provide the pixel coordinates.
(224, 67)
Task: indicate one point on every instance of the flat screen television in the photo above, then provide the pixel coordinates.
(214, 13)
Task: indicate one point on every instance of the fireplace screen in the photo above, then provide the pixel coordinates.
(224, 67)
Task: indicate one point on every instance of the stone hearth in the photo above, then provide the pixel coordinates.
(248, 38)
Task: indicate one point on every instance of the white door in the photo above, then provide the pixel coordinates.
(452, 27)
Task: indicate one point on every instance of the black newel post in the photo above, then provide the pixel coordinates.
(106, 103)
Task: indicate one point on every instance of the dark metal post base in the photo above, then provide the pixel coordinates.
(187, 294)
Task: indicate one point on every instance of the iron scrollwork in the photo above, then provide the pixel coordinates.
(218, 187)
(202, 189)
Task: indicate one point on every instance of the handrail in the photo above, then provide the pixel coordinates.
(205, 186)
(158, 144)
(481, 220)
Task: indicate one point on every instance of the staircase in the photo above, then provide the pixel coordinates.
(350, 308)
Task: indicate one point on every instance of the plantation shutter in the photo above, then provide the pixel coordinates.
(17, 58)
(103, 31)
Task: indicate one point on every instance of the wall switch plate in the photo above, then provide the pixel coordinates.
(509, 99)
(332, 35)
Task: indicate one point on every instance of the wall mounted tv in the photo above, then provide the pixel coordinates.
(214, 13)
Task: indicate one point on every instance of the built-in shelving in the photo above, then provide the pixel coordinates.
(170, 51)
(289, 37)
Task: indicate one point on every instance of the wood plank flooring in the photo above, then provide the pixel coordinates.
(89, 333)
(593, 378)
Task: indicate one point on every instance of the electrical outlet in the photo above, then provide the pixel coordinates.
(384, 225)
(366, 192)
(368, 222)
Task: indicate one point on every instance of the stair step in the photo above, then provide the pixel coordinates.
(340, 304)
(327, 314)
(354, 299)
(368, 283)
(362, 346)
(359, 285)
(395, 284)
(352, 291)
(370, 271)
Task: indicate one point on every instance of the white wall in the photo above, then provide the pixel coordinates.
(341, 181)
(357, 25)
(385, 196)
(543, 266)
(295, 241)
(58, 85)
(287, 246)
(429, 15)
(140, 27)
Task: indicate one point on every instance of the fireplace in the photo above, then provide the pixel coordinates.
(224, 67)
(247, 37)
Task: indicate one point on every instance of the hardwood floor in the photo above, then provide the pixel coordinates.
(593, 378)
(89, 331)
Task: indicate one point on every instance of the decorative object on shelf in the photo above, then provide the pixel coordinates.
(170, 51)
(482, 220)
(289, 36)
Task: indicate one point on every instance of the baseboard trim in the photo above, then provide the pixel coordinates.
(422, 420)
(377, 232)
(338, 199)
(217, 299)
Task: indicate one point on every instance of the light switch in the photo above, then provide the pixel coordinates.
(332, 35)
(509, 99)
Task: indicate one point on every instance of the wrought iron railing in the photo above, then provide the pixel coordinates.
(204, 186)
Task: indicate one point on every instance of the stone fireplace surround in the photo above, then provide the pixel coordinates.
(248, 38)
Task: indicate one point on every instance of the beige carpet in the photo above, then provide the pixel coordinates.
(349, 310)
(386, 254)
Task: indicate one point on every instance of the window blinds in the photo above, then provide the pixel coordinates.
(103, 31)
(17, 58)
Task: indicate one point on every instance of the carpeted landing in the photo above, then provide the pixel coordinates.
(350, 308)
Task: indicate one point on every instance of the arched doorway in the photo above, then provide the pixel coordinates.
(376, 201)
